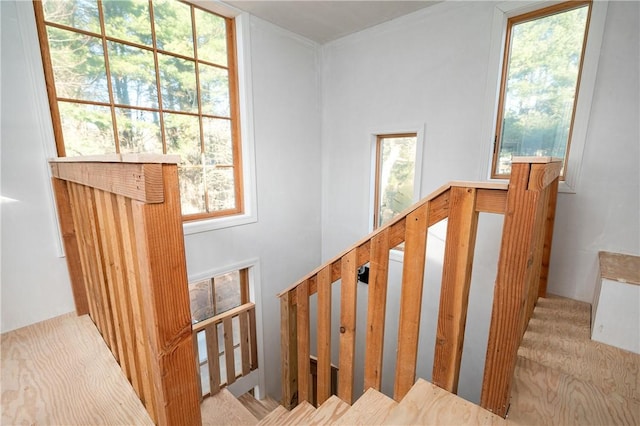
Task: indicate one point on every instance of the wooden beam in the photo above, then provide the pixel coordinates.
(288, 351)
(142, 182)
(411, 300)
(229, 356)
(456, 281)
(376, 310)
(324, 335)
(165, 298)
(70, 243)
(548, 238)
(302, 292)
(213, 357)
(348, 303)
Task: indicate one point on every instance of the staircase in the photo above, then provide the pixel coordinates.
(562, 377)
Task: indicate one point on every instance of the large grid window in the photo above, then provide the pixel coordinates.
(133, 76)
(542, 64)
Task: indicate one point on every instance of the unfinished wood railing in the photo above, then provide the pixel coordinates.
(122, 232)
(238, 322)
(528, 204)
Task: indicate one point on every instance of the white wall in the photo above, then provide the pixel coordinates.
(35, 282)
(286, 237)
(431, 67)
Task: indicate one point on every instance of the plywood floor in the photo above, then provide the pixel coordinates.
(60, 372)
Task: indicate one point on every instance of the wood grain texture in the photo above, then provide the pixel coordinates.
(515, 264)
(299, 415)
(348, 303)
(552, 201)
(288, 351)
(274, 418)
(370, 409)
(142, 182)
(427, 404)
(411, 300)
(559, 334)
(620, 267)
(456, 283)
(70, 243)
(229, 356)
(165, 299)
(376, 310)
(331, 410)
(60, 372)
(259, 408)
(211, 338)
(303, 342)
(544, 396)
(323, 391)
(224, 409)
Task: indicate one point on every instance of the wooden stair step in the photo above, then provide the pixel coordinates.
(370, 409)
(330, 411)
(259, 408)
(610, 368)
(275, 417)
(427, 404)
(299, 415)
(541, 395)
(223, 406)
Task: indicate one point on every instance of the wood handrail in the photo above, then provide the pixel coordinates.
(528, 203)
(122, 232)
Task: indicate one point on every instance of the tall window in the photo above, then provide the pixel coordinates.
(540, 80)
(135, 76)
(395, 176)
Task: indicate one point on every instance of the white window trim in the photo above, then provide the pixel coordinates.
(504, 11)
(256, 380)
(419, 130)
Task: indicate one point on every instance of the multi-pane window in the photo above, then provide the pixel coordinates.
(134, 76)
(219, 294)
(395, 168)
(540, 80)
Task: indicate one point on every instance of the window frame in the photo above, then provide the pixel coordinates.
(237, 116)
(504, 11)
(416, 129)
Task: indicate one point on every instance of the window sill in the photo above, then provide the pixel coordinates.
(205, 225)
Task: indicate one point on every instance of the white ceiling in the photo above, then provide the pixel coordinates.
(324, 21)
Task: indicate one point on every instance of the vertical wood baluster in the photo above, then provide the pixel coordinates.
(348, 299)
(456, 280)
(324, 335)
(376, 310)
(288, 350)
(302, 302)
(411, 299)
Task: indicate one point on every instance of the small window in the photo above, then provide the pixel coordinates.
(148, 77)
(542, 65)
(395, 167)
(219, 294)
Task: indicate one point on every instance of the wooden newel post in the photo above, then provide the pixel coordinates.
(289, 350)
(519, 267)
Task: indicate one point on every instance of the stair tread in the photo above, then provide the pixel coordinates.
(426, 403)
(259, 408)
(370, 409)
(559, 334)
(331, 410)
(541, 395)
(274, 417)
(224, 405)
(299, 415)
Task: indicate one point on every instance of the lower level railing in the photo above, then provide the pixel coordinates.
(230, 336)
(528, 205)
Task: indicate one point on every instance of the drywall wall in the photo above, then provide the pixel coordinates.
(35, 282)
(286, 237)
(431, 67)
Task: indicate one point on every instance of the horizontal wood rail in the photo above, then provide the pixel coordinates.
(528, 203)
(245, 328)
(122, 232)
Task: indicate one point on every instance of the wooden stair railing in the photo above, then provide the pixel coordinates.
(122, 232)
(528, 203)
(245, 327)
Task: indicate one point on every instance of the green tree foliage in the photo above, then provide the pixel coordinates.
(396, 176)
(143, 86)
(543, 69)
